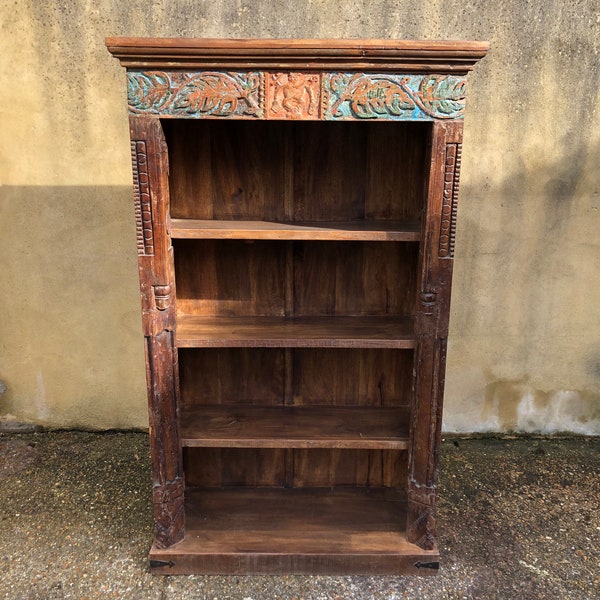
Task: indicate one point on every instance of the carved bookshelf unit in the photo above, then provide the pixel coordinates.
(296, 205)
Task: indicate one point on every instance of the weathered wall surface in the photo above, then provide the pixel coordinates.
(525, 345)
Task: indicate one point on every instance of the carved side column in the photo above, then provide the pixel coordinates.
(433, 310)
(157, 286)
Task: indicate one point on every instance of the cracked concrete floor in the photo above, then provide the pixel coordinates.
(518, 518)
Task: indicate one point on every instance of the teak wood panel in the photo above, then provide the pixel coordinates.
(348, 468)
(230, 278)
(241, 278)
(226, 170)
(299, 376)
(379, 377)
(289, 172)
(235, 467)
(354, 279)
(294, 468)
(232, 376)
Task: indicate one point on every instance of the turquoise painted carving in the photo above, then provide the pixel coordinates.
(393, 96)
(202, 94)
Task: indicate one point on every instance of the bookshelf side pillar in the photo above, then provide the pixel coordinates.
(433, 310)
(157, 287)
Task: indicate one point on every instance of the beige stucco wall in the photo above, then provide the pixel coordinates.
(525, 347)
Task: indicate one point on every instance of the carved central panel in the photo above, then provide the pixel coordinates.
(293, 95)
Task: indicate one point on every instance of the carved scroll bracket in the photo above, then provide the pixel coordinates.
(154, 322)
(428, 300)
(162, 296)
(158, 310)
(158, 299)
(428, 312)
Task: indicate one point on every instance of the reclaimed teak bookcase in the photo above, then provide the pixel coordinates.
(295, 204)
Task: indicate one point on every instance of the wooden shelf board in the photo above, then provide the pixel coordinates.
(236, 426)
(310, 531)
(393, 231)
(297, 332)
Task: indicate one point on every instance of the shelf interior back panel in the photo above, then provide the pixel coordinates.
(235, 278)
(307, 377)
(232, 467)
(285, 171)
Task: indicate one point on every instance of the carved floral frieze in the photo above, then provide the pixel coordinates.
(204, 94)
(393, 96)
(297, 95)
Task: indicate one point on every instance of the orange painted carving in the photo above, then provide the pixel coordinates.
(293, 95)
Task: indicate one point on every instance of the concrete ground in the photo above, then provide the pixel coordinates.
(518, 518)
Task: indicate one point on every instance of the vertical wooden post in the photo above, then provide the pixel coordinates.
(157, 286)
(433, 311)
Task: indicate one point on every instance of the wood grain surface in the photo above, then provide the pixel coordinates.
(301, 332)
(294, 427)
(381, 231)
(363, 54)
(294, 531)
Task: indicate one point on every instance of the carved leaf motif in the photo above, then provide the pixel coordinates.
(443, 95)
(148, 90)
(396, 96)
(371, 98)
(209, 94)
(194, 94)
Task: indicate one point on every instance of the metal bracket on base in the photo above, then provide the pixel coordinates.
(157, 564)
(427, 565)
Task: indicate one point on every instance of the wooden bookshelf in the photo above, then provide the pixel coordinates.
(295, 204)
